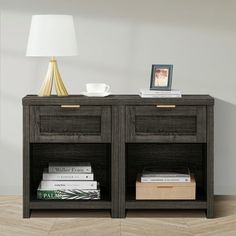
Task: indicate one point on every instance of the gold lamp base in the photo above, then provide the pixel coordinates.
(52, 76)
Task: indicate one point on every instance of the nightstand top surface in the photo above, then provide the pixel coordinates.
(122, 99)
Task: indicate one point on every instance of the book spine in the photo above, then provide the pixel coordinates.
(159, 179)
(65, 176)
(58, 185)
(165, 176)
(73, 194)
(70, 169)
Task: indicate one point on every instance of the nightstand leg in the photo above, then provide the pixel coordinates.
(26, 212)
(210, 213)
(118, 162)
(118, 214)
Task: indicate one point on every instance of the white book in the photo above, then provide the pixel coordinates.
(67, 176)
(58, 185)
(158, 92)
(161, 172)
(165, 179)
(78, 167)
(165, 174)
(160, 96)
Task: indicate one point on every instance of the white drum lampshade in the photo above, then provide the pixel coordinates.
(52, 35)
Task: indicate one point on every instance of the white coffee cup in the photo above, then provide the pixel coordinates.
(97, 88)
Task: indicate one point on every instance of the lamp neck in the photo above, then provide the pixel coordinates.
(53, 58)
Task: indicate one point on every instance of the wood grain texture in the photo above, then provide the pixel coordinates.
(137, 223)
(58, 124)
(164, 205)
(166, 191)
(54, 205)
(186, 124)
(118, 100)
(210, 161)
(26, 161)
(119, 135)
(118, 161)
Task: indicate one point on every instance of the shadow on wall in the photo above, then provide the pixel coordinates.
(225, 136)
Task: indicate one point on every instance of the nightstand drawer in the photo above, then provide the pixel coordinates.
(70, 123)
(166, 123)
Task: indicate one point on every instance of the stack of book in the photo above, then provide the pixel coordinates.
(68, 181)
(161, 184)
(146, 93)
(153, 174)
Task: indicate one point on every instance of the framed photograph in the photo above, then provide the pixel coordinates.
(161, 77)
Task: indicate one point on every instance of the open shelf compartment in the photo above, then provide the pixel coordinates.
(99, 155)
(166, 155)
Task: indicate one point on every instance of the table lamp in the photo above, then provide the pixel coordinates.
(51, 36)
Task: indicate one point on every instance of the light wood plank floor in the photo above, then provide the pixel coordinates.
(151, 223)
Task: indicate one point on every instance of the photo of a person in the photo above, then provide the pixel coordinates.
(161, 77)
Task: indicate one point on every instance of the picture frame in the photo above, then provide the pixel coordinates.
(161, 77)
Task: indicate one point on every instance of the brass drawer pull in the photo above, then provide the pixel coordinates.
(165, 186)
(166, 106)
(70, 106)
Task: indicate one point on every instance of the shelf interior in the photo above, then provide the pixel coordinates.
(166, 155)
(98, 154)
(70, 204)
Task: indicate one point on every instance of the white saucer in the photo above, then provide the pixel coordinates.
(105, 94)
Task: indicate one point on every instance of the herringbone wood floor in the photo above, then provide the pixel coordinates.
(155, 223)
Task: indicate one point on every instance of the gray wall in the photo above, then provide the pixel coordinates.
(118, 41)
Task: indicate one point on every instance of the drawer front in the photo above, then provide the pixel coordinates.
(70, 123)
(166, 193)
(166, 124)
